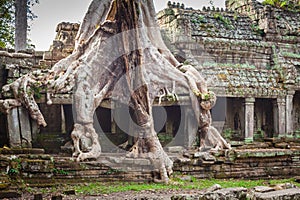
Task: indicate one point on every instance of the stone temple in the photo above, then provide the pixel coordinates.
(248, 53)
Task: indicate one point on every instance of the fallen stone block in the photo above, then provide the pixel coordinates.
(226, 193)
(263, 189)
(293, 193)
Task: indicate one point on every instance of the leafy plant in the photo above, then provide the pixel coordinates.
(228, 133)
(15, 166)
(60, 171)
(291, 5)
(7, 22)
(226, 21)
(259, 31)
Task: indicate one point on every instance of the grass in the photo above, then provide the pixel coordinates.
(175, 184)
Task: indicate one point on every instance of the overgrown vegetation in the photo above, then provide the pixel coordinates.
(7, 22)
(291, 5)
(224, 20)
(291, 55)
(176, 183)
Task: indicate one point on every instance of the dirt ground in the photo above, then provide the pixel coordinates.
(129, 195)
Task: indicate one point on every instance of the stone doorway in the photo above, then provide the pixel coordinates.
(3, 130)
(234, 128)
(263, 118)
(296, 111)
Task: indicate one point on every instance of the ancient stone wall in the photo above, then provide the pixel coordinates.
(270, 160)
(246, 51)
(12, 66)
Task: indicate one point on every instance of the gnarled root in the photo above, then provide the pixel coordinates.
(210, 138)
(88, 131)
(8, 104)
(151, 148)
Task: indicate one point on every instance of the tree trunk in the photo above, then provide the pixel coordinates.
(20, 25)
(120, 55)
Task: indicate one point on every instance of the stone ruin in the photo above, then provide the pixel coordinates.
(248, 53)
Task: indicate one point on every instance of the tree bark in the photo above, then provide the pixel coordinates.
(20, 25)
(120, 55)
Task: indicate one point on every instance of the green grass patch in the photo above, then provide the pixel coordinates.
(175, 184)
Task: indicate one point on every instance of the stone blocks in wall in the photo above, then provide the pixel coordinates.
(19, 128)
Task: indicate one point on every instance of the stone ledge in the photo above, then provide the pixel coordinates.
(292, 193)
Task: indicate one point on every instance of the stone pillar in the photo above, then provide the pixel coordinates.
(25, 127)
(289, 110)
(249, 119)
(13, 124)
(275, 118)
(280, 117)
(189, 126)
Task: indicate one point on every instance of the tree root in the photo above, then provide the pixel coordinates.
(88, 131)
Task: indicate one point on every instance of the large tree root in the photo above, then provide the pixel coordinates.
(87, 131)
(119, 41)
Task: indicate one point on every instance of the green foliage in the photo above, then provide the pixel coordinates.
(226, 21)
(291, 55)
(175, 183)
(256, 29)
(228, 133)
(36, 91)
(259, 135)
(169, 11)
(13, 171)
(15, 166)
(202, 19)
(60, 171)
(164, 138)
(6, 23)
(7, 27)
(291, 5)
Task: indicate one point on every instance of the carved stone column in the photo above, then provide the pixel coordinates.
(289, 110)
(20, 128)
(190, 128)
(275, 118)
(24, 119)
(13, 126)
(249, 119)
(280, 116)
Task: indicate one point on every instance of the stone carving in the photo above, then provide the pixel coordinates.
(118, 51)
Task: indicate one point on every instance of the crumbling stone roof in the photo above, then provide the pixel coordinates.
(222, 25)
(248, 49)
(239, 80)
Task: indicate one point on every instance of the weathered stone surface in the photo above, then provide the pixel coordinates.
(175, 149)
(263, 189)
(9, 194)
(185, 197)
(228, 193)
(38, 197)
(293, 193)
(206, 156)
(14, 128)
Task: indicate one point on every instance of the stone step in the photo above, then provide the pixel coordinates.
(9, 151)
(9, 194)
